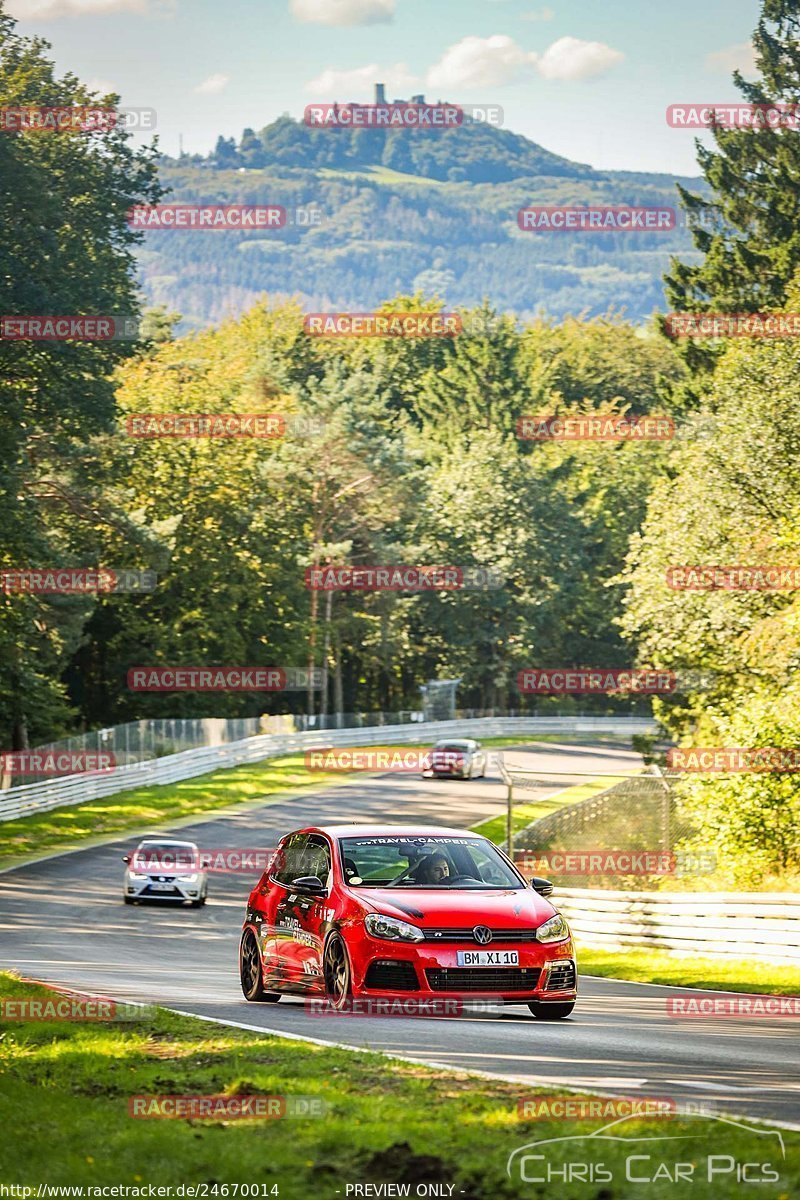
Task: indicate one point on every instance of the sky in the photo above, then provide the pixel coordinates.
(588, 79)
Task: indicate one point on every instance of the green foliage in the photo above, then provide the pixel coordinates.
(747, 229)
(66, 249)
(732, 498)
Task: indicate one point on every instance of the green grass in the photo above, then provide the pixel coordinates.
(67, 1123)
(644, 965)
(494, 828)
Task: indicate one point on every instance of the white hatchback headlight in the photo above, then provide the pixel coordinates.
(391, 929)
(554, 930)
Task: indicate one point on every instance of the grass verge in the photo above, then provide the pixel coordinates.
(384, 1122)
(643, 965)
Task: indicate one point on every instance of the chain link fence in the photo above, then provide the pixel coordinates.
(623, 832)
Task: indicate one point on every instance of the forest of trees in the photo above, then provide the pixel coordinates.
(414, 458)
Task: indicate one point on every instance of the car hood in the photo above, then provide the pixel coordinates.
(430, 908)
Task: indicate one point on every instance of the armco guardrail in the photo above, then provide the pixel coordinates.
(75, 789)
(760, 925)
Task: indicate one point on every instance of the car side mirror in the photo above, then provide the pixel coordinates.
(311, 884)
(126, 858)
(543, 886)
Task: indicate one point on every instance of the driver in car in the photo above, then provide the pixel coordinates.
(433, 869)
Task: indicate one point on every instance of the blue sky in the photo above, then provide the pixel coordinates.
(590, 81)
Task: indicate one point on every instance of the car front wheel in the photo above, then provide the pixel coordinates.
(336, 971)
(250, 972)
(551, 1012)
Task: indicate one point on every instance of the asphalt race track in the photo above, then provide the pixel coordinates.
(62, 920)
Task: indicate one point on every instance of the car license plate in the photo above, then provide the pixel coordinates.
(488, 958)
(162, 887)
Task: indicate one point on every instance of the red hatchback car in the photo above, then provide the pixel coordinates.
(352, 911)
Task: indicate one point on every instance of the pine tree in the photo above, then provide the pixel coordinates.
(749, 230)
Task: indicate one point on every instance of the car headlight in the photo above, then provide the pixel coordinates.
(391, 929)
(187, 879)
(136, 875)
(554, 930)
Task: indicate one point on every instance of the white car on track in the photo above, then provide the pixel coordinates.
(165, 870)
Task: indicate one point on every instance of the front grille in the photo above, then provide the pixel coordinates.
(392, 975)
(562, 975)
(483, 979)
(466, 935)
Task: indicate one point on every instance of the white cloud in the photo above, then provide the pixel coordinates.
(103, 86)
(571, 58)
(33, 10)
(350, 85)
(343, 12)
(213, 85)
(538, 14)
(480, 62)
(733, 58)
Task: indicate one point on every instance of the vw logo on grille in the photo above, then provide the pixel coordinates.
(482, 935)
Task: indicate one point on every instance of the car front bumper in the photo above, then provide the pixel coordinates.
(165, 888)
(395, 969)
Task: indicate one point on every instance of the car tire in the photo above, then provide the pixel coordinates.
(129, 899)
(551, 1012)
(198, 903)
(250, 972)
(336, 971)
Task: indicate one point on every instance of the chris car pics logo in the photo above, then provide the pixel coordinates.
(728, 1151)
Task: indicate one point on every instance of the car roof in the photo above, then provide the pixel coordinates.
(355, 829)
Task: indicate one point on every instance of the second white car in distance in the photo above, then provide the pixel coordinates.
(456, 758)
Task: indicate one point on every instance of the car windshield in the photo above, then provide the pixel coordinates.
(425, 862)
(164, 856)
(456, 747)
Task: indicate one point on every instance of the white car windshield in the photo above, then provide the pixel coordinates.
(164, 856)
